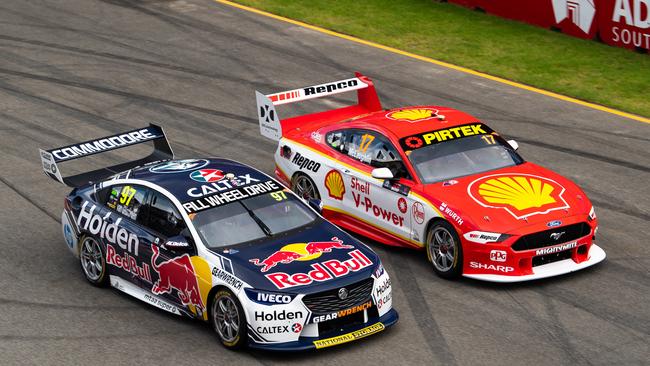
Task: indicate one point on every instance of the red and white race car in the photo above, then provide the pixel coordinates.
(435, 178)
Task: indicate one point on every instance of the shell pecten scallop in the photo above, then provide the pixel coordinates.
(335, 185)
(521, 195)
(413, 114)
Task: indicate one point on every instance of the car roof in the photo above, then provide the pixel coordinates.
(403, 127)
(384, 122)
(179, 182)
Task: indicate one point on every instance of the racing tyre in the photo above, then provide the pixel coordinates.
(444, 250)
(304, 187)
(228, 320)
(93, 261)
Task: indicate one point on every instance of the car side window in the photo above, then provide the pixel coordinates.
(336, 140)
(369, 147)
(125, 199)
(163, 216)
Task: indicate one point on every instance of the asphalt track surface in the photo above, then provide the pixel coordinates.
(79, 69)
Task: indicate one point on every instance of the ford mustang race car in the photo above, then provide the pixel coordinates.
(434, 178)
(219, 241)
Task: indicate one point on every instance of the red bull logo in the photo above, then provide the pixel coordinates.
(177, 274)
(322, 271)
(127, 263)
(299, 252)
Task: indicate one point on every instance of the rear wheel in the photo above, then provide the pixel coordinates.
(304, 187)
(93, 261)
(228, 320)
(444, 250)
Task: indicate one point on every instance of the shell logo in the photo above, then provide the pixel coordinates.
(522, 195)
(335, 185)
(413, 114)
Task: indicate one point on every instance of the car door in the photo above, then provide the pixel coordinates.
(123, 235)
(174, 276)
(383, 204)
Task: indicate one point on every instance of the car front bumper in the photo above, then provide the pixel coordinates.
(596, 255)
(349, 334)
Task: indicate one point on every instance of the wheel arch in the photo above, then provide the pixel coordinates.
(211, 295)
(434, 221)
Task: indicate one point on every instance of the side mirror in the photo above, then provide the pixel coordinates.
(513, 144)
(382, 173)
(177, 243)
(317, 205)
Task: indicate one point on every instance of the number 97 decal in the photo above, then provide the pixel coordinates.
(279, 195)
(127, 194)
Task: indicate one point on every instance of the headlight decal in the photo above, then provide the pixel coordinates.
(592, 214)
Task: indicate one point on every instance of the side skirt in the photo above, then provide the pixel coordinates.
(353, 224)
(140, 294)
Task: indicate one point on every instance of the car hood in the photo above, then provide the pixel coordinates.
(507, 199)
(338, 258)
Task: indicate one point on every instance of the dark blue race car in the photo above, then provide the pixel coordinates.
(220, 241)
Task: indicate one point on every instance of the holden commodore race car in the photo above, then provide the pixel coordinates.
(432, 178)
(219, 241)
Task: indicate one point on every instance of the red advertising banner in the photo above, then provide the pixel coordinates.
(622, 23)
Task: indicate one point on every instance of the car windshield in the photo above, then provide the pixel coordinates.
(251, 219)
(462, 157)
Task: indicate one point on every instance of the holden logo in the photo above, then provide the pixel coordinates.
(557, 236)
(176, 166)
(343, 293)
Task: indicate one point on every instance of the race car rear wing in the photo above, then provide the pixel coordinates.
(272, 127)
(51, 158)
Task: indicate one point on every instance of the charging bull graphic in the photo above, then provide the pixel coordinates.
(177, 273)
(299, 252)
(326, 246)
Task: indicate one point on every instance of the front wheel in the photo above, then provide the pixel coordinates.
(93, 261)
(228, 320)
(444, 250)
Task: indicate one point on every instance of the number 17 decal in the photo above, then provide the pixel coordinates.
(489, 139)
(366, 140)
